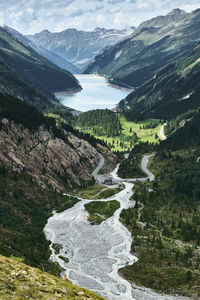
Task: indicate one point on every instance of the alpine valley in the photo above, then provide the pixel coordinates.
(101, 204)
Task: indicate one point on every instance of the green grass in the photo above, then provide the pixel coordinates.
(100, 211)
(67, 203)
(90, 192)
(19, 281)
(57, 118)
(109, 192)
(97, 192)
(144, 135)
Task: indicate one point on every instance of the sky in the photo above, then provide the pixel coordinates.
(31, 16)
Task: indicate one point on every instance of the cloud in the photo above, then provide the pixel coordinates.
(76, 13)
(115, 1)
(55, 15)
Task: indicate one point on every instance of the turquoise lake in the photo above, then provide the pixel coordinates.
(96, 93)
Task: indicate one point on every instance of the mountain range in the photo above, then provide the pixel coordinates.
(154, 44)
(78, 47)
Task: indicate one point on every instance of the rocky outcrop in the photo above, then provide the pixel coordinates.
(51, 161)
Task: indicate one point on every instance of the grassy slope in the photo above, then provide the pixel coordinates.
(19, 281)
(144, 135)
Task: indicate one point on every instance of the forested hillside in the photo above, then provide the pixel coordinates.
(173, 91)
(165, 222)
(102, 122)
(29, 76)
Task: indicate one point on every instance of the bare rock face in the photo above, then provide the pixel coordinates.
(51, 161)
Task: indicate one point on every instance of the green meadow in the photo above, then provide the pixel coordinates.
(124, 142)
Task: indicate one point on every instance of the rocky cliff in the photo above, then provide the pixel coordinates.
(51, 161)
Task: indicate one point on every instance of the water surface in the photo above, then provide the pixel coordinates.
(96, 93)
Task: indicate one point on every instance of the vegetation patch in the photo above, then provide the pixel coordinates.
(99, 211)
(67, 203)
(130, 134)
(103, 122)
(97, 192)
(19, 281)
(65, 259)
(90, 192)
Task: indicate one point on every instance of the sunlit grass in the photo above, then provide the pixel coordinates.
(144, 135)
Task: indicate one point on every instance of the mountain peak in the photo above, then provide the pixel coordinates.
(177, 11)
(45, 31)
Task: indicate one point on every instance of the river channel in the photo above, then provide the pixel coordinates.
(96, 252)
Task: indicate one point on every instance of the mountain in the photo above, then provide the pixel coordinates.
(54, 58)
(78, 47)
(171, 92)
(154, 44)
(33, 143)
(29, 76)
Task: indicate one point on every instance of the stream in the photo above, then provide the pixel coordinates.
(97, 252)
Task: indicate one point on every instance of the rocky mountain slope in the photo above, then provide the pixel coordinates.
(51, 155)
(29, 76)
(156, 100)
(19, 281)
(78, 47)
(154, 44)
(54, 58)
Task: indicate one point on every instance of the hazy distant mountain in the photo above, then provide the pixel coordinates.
(56, 59)
(153, 44)
(78, 47)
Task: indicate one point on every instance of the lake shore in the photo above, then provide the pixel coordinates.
(115, 86)
(68, 92)
(96, 93)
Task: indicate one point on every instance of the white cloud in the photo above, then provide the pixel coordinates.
(55, 15)
(100, 18)
(190, 7)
